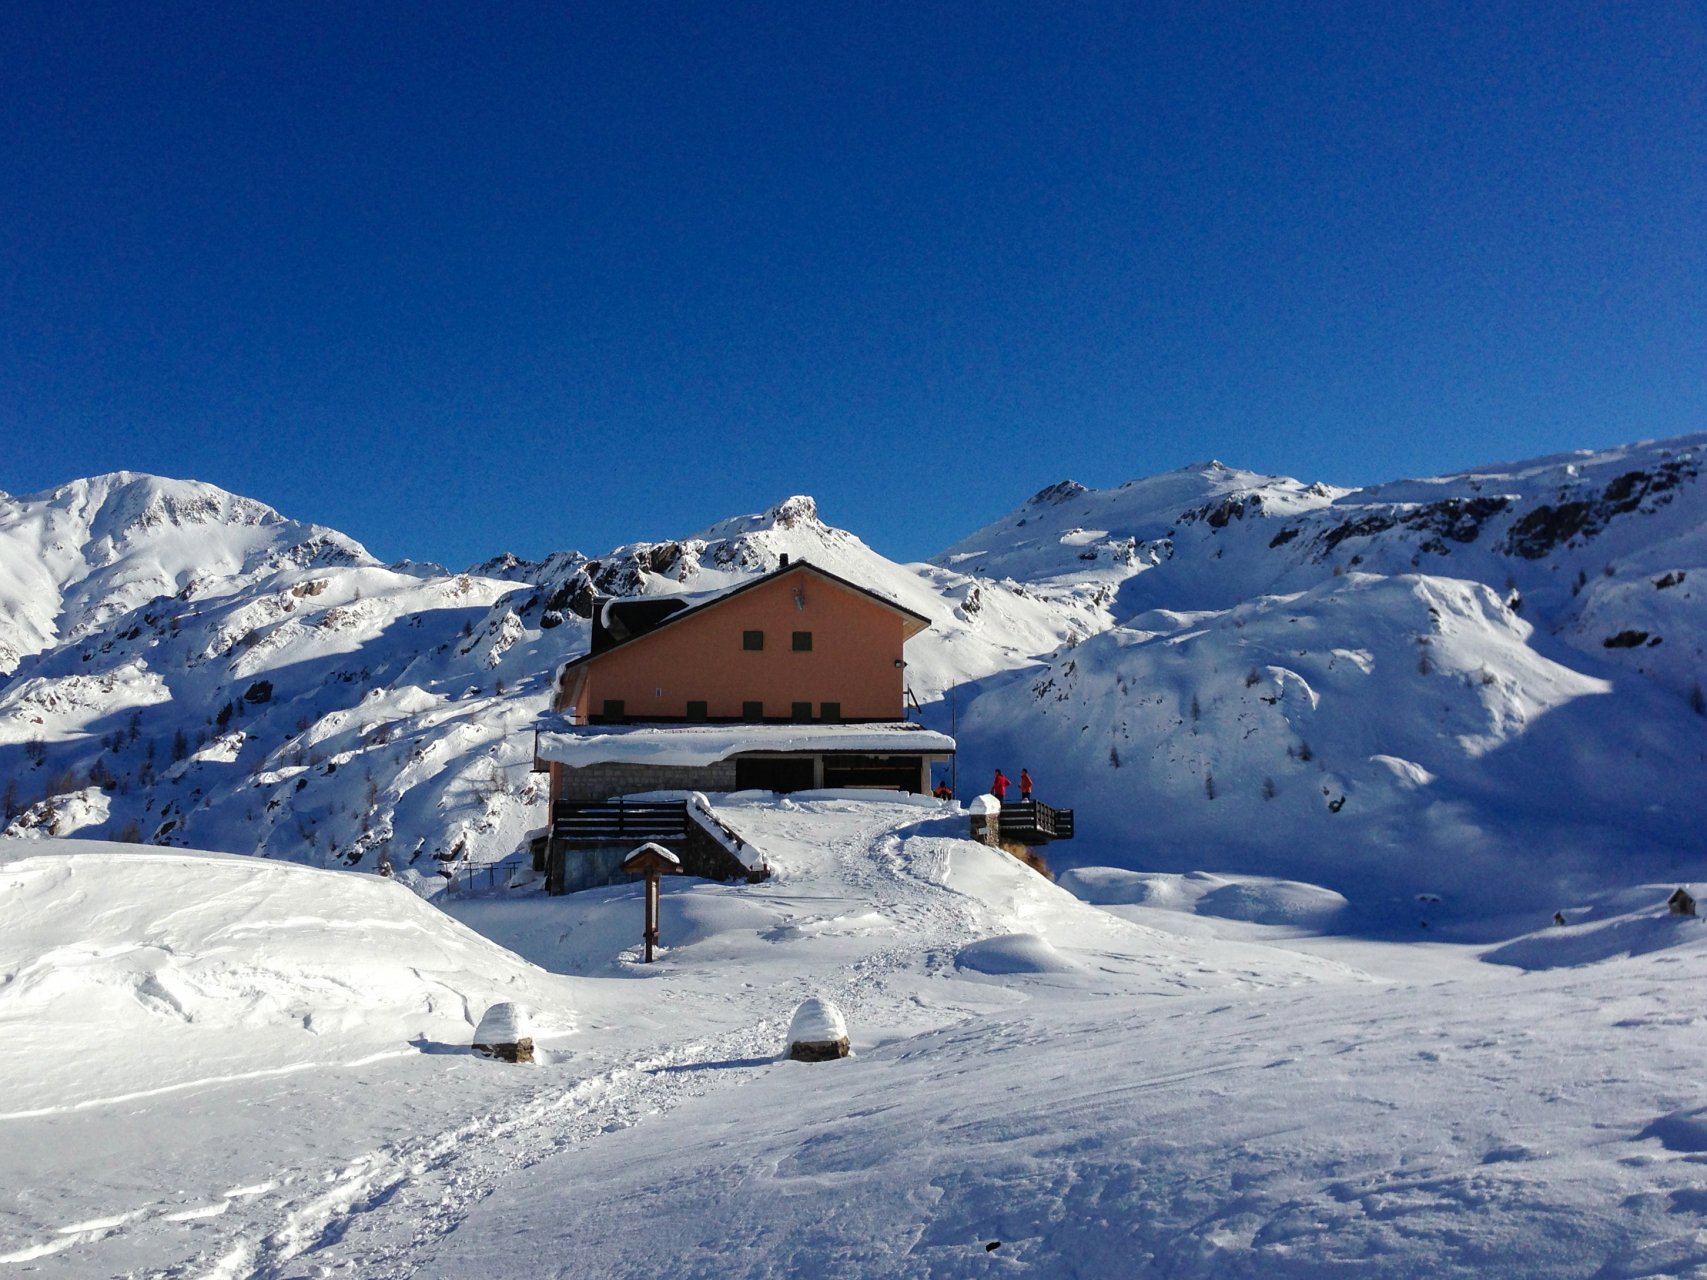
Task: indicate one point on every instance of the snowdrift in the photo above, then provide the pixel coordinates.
(130, 970)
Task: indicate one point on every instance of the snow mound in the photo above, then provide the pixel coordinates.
(59, 815)
(1253, 899)
(1568, 946)
(146, 967)
(1681, 1131)
(1263, 901)
(1013, 953)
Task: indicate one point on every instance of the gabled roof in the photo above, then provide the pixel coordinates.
(912, 623)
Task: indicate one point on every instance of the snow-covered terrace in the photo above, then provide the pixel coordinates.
(706, 744)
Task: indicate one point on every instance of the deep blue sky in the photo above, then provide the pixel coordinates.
(456, 279)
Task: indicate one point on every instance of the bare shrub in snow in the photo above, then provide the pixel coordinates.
(1026, 854)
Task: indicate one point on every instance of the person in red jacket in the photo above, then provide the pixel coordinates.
(999, 788)
(1025, 784)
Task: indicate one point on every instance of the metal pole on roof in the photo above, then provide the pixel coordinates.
(953, 732)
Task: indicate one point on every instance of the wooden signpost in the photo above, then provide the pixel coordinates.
(651, 860)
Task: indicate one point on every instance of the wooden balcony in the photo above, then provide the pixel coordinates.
(1033, 822)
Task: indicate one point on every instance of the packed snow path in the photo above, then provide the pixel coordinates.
(863, 908)
(374, 1216)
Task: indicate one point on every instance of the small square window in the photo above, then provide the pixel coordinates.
(697, 710)
(829, 711)
(802, 641)
(752, 639)
(614, 710)
(803, 711)
(752, 711)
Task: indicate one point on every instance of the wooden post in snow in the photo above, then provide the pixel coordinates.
(651, 860)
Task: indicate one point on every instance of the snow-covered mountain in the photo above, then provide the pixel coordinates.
(280, 692)
(1472, 679)
(1492, 677)
(78, 556)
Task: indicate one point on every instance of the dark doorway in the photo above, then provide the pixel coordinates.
(773, 773)
(899, 773)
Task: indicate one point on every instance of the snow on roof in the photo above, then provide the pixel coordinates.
(703, 744)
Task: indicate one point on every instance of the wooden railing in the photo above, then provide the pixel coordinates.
(1032, 821)
(665, 821)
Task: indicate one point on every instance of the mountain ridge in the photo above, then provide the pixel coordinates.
(320, 706)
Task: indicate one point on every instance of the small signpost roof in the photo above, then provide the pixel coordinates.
(651, 857)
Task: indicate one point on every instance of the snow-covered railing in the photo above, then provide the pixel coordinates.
(741, 849)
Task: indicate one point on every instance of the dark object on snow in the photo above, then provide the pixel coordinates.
(1625, 640)
(259, 692)
(502, 1034)
(992, 1246)
(1558, 917)
(1681, 904)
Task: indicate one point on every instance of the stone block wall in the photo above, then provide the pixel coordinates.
(597, 782)
(703, 856)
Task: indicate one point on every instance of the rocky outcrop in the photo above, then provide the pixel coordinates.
(1539, 531)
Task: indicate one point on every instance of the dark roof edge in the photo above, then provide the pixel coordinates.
(730, 594)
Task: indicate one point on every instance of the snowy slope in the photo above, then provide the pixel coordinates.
(1166, 1082)
(75, 557)
(1495, 674)
(1400, 730)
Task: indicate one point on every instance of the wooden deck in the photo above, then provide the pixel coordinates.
(1033, 822)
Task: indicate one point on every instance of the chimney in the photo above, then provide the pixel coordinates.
(782, 562)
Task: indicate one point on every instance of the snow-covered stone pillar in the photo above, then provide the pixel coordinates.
(818, 1032)
(504, 1034)
(986, 813)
